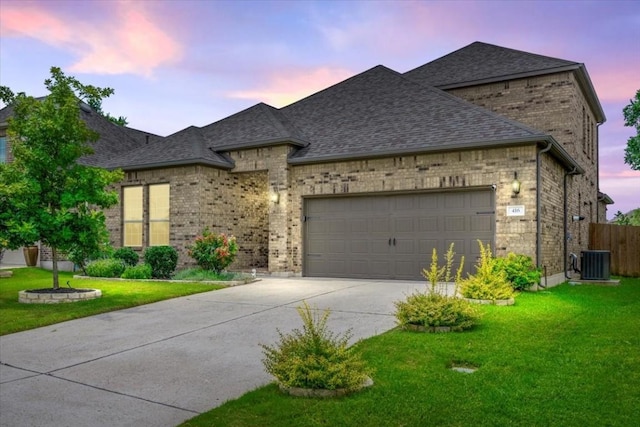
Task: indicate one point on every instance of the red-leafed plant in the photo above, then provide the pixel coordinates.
(212, 251)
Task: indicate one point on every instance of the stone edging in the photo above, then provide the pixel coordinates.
(321, 392)
(57, 297)
(510, 301)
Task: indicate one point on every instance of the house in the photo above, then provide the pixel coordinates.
(364, 178)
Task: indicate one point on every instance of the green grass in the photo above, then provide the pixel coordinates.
(116, 295)
(569, 356)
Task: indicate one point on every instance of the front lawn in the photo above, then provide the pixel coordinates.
(569, 356)
(116, 295)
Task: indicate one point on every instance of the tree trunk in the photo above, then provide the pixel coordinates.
(54, 262)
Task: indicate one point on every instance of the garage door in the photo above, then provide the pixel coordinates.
(392, 237)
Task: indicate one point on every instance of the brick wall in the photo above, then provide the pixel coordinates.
(554, 104)
(442, 171)
(205, 197)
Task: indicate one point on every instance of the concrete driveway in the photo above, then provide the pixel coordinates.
(163, 363)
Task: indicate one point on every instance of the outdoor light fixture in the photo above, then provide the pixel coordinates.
(275, 197)
(515, 185)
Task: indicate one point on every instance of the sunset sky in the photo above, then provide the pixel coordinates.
(179, 63)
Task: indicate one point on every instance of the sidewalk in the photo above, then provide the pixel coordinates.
(163, 363)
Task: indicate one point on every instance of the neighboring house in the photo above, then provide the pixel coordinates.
(364, 178)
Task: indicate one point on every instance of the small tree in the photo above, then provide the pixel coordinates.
(632, 119)
(50, 196)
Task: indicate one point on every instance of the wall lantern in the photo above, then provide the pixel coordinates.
(275, 197)
(515, 185)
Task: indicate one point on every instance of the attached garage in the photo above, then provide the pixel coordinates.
(392, 236)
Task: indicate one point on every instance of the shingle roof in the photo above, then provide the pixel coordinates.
(259, 125)
(380, 112)
(480, 62)
(185, 147)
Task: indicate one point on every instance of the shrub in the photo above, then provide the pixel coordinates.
(521, 272)
(315, 358)
(162, 259)
(127, 255)
(434, 310)
(489, 282)
(140, 271)
(108, 267)
(213, 252)
(82, 255)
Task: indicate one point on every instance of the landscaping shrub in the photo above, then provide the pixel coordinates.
(140, 271)
(127, 255)
(82, 255)
(521, 272)
(315, 357)
(489, 282)
(213, 252)
(109, 267)
(436, 310)
(162, 259)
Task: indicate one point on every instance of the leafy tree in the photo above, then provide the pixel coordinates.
(632, 119)
(630, 218)
(45, 194)
(96, 105)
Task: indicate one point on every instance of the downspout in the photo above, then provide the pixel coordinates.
(538, 222)
(565, 225)
(597, 162)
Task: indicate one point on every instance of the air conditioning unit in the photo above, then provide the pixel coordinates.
(595, 265)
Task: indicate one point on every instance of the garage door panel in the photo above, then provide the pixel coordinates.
(404, 224)
(428, 223)
(359, 225)
(455, 223)
(380, 246)
(352, 237)
(481, 223)
(359, 247)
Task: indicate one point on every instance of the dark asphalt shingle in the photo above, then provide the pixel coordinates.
(382, 112)
(481, 61)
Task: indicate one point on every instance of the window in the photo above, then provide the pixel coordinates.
(132, 215)
(3, 149)
(158, 214)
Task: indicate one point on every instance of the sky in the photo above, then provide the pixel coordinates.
(177, 63)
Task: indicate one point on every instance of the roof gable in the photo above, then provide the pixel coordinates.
(481, 62)
(259, 125)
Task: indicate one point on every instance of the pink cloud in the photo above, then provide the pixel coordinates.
(126, 40)
(284, 88)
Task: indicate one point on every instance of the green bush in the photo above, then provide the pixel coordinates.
(520, 271)
(83, 255)
(489, 282)
(162, 259)
(127, 255)
(315, 358)
(109, 267)
(213, 252)
(140, 271)
(435, 310)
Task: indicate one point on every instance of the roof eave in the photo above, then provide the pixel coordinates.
(412, 151)
(565, 159)
(259, 144)
(504, 77)
(183, 162)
